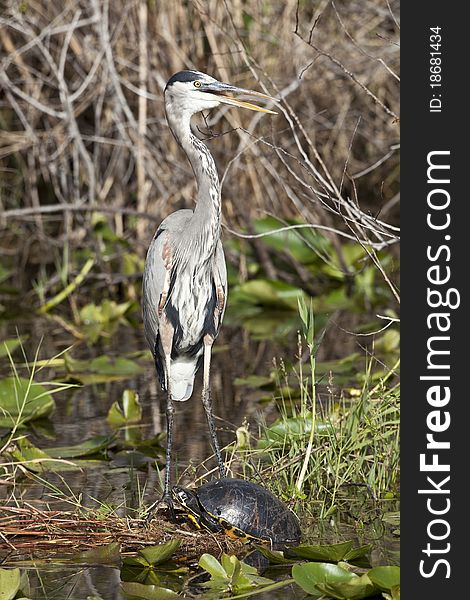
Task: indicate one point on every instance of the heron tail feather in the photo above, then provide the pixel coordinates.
(182, 379)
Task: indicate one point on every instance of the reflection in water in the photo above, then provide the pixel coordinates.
(81, 413)
(104, 582)
(72, 581)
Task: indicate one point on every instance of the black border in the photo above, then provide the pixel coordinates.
(422, 132)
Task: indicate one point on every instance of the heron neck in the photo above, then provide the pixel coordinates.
(206, 217)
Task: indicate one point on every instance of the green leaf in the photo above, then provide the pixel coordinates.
(22, 401)
(255, 381)
(354, 589)
(356, 553)
(108, 554)
(385, 578)
(269, 293)
(250, 575)
(285, 431)
(102, 319)
(131, 407)
(9, 583)
(327, 552)
(156, 555)
(33, 458)
(129, 412)
(91, 446)
(147, 592)
(276, 557)
(210, 564)
(266, 323)
(303, 244)
(232, 565)
(136, 562)
(37, 460)
(308, 320)
(100, 369)
(7, 347)
(311, 575)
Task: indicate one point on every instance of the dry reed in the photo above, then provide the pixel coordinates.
(82, 121)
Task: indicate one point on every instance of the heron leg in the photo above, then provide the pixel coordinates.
(170, 411)
(207, 403)
(166, 338)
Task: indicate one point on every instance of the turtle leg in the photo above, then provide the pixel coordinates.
(207, 403)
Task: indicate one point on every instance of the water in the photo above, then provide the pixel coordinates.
(82, 413)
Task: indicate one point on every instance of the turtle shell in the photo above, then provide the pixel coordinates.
(245, 509)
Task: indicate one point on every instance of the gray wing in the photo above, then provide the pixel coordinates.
(155, 273)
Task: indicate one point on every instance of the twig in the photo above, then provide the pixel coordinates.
(93, 207)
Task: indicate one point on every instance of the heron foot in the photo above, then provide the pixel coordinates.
(167, 499)
(164, 504)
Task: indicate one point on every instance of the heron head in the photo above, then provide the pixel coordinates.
(189, 92)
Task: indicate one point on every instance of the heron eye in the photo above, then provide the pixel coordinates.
(197, 84)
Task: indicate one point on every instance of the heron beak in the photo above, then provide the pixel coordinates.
(226, 92)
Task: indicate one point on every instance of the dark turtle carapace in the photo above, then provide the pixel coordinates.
(241, 509)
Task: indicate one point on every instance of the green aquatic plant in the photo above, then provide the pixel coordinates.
(326, 580)
(126, 412)
(14, 584)
(102, 320)
(314, 450)
(23, 400)
(230, 575)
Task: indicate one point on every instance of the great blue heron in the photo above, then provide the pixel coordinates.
(185, 278)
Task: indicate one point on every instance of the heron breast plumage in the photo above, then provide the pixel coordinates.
(190, 306)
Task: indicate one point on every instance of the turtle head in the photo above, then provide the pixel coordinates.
(187, 499)
(190, 503)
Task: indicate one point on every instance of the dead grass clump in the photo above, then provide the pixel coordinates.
(33, 531)
(83, 125)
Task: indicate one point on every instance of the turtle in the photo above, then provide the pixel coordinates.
(241, 509)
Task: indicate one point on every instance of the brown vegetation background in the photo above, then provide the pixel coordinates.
(83, 126)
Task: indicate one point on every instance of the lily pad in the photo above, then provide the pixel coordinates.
(230, 575)
(87, 448)
(22, 400)
(353, 589)
(385, 578)
(105, 555)
(102, 320)
(37, 460)
(154, 555)
(129, 411)
(275, 557)
(147, 592)
(329, 552)
(324, 579)
(9, 583)
(255, 381)
(310, 575)
(100, 369)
